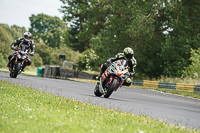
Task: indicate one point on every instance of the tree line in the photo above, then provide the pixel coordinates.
(161, 32)
(46, 52)
(164, 34)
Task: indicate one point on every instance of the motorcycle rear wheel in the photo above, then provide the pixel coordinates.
(111, 89)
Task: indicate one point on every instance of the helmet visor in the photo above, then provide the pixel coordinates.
(129, 56)
(28, 38)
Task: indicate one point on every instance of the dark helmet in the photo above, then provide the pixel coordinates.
(27, 36)
(128, 53)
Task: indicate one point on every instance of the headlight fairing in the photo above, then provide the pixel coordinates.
(18, 56)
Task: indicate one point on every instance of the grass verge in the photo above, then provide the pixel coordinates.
(183, 93)
(24, 109)
(172, 91)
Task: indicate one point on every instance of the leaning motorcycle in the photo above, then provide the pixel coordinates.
(17, 62)
(113, 78)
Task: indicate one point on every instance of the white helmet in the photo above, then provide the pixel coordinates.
(27, 36)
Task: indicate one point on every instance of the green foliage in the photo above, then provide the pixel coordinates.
(193, 70)
(3, 59)
(36, 60)
(48, 29)
(50, 56)
(6, 38)
(45, 53)
(160, 32)
(87, 60)
(184, 19)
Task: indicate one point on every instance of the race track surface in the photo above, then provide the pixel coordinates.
(166, 107)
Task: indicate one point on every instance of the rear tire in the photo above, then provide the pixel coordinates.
(17, 69)
(97, 92)
(111, 89)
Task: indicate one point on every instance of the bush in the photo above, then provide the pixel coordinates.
(193, 70)
(36, 60)
(4, 60)
(88, 60)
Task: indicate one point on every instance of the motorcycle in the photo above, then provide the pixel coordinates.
(113, 78)
(17, 61)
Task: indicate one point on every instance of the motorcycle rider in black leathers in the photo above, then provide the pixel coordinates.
(28, 43)
(131, 62)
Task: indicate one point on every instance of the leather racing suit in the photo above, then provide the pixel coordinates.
(130, 62)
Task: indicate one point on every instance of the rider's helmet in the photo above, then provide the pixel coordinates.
(27, 36)
(128, 53)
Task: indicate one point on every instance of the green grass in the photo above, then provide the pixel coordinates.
(186, 80)
(27, 110)
(32, 71)
(183, 93)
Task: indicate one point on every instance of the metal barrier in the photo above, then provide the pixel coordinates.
(197, 88)
(185, 87)
(153, 84)
(57, 72)
(164, 85)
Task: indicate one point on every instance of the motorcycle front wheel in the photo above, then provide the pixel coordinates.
(111, 88)
(17, 69)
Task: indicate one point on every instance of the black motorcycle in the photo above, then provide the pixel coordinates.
(17, 61)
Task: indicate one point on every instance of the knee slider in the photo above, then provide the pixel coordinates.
(128, 80)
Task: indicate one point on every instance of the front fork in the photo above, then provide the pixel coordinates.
(16, 60)
(99, 83)
(101, 88)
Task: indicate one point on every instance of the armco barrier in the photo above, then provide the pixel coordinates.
(138, 82)
(197, 88)
(185, 87)
(164, 85)
(167, 85)
(148, 83)
(57, 72)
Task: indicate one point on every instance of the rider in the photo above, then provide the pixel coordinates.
(28, 43)
(128, 55)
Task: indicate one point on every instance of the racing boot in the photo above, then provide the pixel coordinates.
(23, 67)
(8, 65)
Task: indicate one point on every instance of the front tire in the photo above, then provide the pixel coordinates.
(111, 89)
(17, 69)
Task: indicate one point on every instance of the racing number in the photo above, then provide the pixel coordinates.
(105, 75)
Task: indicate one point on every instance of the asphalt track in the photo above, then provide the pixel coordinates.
(166, 107)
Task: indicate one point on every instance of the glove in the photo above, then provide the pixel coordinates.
(132, 74)
(31, 54)
(108, 62)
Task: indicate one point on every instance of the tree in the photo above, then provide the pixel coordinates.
(193, 70)
(7, 36)
(48, 29)
(183, 20)
(160, 32)
(86, 18)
